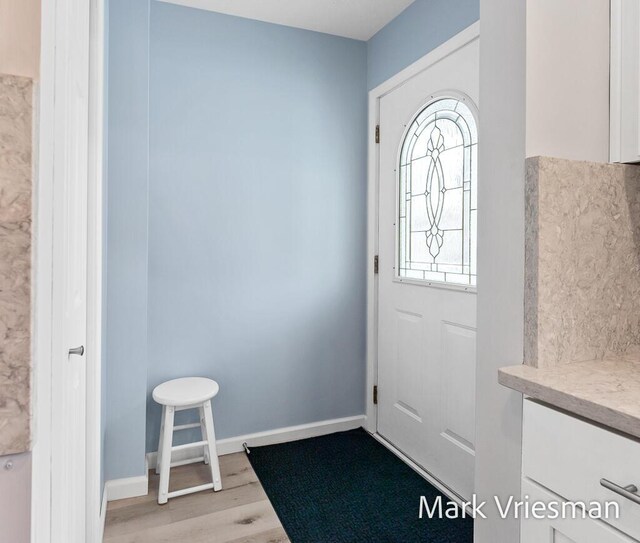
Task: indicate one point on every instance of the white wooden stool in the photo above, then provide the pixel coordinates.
(178, 395)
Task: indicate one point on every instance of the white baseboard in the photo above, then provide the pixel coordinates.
(103, 513)
(270, 437)
(129, 487)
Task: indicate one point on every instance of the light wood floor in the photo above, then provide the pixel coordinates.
(240, 513)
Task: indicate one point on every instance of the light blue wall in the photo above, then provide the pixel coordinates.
(420, 28)
(257, 197)
(236, 213)
(127, 187)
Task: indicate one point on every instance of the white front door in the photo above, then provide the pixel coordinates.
(69, 177)
(427, 259)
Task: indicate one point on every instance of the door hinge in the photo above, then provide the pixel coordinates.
(375, 394)
(376, 264)
(377, 133)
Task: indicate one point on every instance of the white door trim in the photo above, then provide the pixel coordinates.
(95, 514)
(43, 431)
(455, 43)
(42, 264)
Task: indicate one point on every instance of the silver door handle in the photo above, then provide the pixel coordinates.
(77, 350)
(629, 491)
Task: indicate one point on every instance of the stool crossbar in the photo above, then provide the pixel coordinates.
(180, 395)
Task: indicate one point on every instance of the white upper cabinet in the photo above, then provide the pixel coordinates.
(625, 81)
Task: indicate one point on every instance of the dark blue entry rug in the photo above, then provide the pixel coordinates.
(348, 488)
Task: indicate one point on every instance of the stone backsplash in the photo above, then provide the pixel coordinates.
(582, 260)
(16, 118)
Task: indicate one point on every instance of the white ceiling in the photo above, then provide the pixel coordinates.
(358, 19)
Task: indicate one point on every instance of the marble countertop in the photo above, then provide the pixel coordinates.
(605, 391)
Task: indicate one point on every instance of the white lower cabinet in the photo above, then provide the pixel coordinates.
(563, 530)
(566, 459)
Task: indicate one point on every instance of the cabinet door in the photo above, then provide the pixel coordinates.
(625, 81)
(564, 530)
(570, 456)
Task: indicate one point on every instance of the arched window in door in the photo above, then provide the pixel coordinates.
(437, 195)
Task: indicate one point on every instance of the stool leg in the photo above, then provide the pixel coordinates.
(203, 429)
(165, 467)
(160, 440)
(211, 445)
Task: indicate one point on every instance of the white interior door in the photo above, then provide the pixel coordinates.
(70, 174)
(426, 284)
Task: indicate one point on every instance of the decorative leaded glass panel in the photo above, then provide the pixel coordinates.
(437, 195)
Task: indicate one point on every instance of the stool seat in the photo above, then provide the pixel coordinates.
(185, 391)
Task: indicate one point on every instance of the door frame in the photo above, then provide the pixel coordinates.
(463, 38)
(45, 312)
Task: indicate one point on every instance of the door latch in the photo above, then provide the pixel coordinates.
(77, 351)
